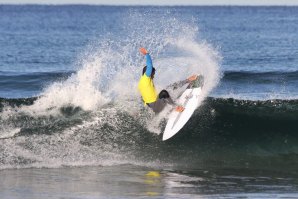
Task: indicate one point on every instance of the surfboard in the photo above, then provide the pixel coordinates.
(190, 101)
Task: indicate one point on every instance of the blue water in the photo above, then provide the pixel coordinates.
(51, 39)
(71, 116)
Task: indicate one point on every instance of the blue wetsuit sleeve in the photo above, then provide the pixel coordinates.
(149, 65)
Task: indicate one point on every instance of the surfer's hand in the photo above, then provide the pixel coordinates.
(192, 78)
(143, 51)
(179, 109)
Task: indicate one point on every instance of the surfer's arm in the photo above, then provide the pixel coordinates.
(149, 67)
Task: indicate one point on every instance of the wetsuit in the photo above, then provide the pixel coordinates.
(148, 92)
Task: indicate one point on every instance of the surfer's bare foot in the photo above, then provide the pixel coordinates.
(192, 78)
(179, 109)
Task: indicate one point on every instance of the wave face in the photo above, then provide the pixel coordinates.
(225, 132)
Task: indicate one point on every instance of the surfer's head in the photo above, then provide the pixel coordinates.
(153, 71)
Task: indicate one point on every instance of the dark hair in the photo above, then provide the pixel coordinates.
(145, 68)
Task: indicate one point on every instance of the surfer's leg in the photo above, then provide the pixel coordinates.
(158, 105)
(161, 102)
(164, 98)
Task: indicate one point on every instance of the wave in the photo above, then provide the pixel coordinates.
(261, 77)
(94, 117)
(13, 78)
(221, 132)
(16, 84)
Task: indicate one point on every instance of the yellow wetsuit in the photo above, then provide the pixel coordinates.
(147, 89)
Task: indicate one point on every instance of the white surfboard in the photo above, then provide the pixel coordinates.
(190, 101)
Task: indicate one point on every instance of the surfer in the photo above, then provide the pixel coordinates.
(147, 89)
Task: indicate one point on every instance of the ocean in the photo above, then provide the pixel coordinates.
(72, 124)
